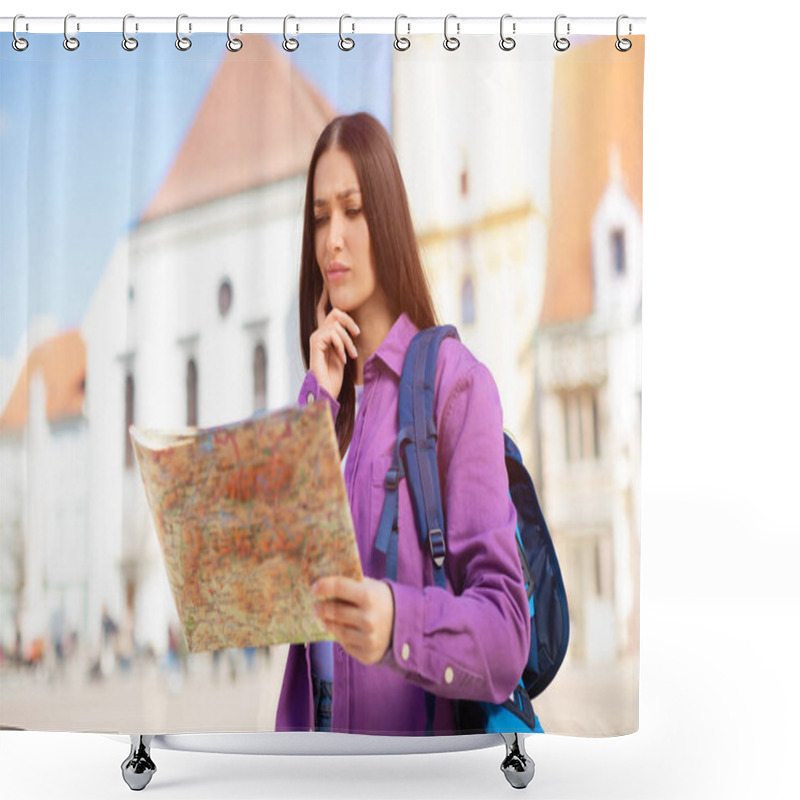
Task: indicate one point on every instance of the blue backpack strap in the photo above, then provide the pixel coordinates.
(415, 414)
(386, 541)
(415, 459)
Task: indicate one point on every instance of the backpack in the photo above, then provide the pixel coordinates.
(415, 459)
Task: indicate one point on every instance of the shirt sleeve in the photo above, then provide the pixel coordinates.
(312, 392)
(470, 642)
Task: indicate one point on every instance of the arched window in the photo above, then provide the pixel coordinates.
(618, 251)
(191, 392)
(259, 377)
(224, 297)
(129, 419)
(467, 302)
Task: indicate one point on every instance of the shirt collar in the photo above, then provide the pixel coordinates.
(393, 348)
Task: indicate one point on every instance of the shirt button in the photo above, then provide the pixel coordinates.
(448, 675)
(310, 398)
(405, 652)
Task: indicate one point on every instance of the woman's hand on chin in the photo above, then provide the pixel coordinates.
(330, 344)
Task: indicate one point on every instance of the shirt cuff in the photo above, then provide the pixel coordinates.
(421, 656)
(312, 392)
(405, 652)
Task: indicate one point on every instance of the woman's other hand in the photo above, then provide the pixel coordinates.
(329, 345)
(359, 614)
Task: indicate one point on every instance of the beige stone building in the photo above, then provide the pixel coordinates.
(472, 132)
(588, 348)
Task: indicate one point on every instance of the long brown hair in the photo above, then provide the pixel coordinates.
(395, 252)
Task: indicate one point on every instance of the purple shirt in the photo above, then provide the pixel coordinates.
(470, 642)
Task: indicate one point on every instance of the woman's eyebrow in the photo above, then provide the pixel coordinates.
(340, 196)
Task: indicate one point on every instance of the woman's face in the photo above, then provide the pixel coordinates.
(341, 236)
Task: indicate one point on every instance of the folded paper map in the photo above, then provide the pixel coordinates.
(249, 515)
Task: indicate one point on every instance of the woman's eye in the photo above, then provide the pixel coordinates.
(352, 212)
(320, 220)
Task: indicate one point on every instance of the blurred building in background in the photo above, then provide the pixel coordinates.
(194, 322)
(588, 350)
(45, 553)
(478, 184)
(206, 285)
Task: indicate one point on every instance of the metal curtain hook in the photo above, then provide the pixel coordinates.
(18, 43)
(623, 45)
(70, 42)
(128, 42)
(182, 42)
(345, 43)
(561, 43)
(401, 42)
(234, 45)
(290, 45)
(451, 42)
(506, 42)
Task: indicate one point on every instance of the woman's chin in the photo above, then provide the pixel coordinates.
(342, 301)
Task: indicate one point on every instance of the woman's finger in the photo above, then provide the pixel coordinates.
(339, 587)
(346, 615)
(337, 342)
(351, 348)
(348, 638)
(358, 644)
(344, 319)
(329, 338)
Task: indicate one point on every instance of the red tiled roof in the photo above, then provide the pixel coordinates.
(596, 107)
(61, 361)
(258, 123)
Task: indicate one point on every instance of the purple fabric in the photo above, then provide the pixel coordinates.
(469, 642)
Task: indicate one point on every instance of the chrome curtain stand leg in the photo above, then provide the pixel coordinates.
(138, 768)
(518, 766)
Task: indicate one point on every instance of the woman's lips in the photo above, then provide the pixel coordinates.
(337, 272)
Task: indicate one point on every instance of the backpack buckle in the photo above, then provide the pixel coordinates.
(392, 478)
(438, 550)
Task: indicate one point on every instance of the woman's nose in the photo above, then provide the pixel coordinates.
(335, 232)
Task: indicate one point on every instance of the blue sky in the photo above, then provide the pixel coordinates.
(87, 137)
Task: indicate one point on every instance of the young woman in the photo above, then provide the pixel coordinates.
(363, 297)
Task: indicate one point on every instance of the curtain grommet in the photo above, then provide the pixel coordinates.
(451, 43)
(507, 43)
(18, 43)
(401, 43)
(233, 45)
(71, 43)
(623, 45)
(128, 42)
(183, 43)
(345, 43)
(561, 43)
(289, 44)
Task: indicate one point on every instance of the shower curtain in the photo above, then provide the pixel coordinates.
(151, 223)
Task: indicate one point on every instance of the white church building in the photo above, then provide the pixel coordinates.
(194, 322)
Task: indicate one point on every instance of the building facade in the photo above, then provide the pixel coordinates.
(195, 320)
(588, 352)
(45, 557)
